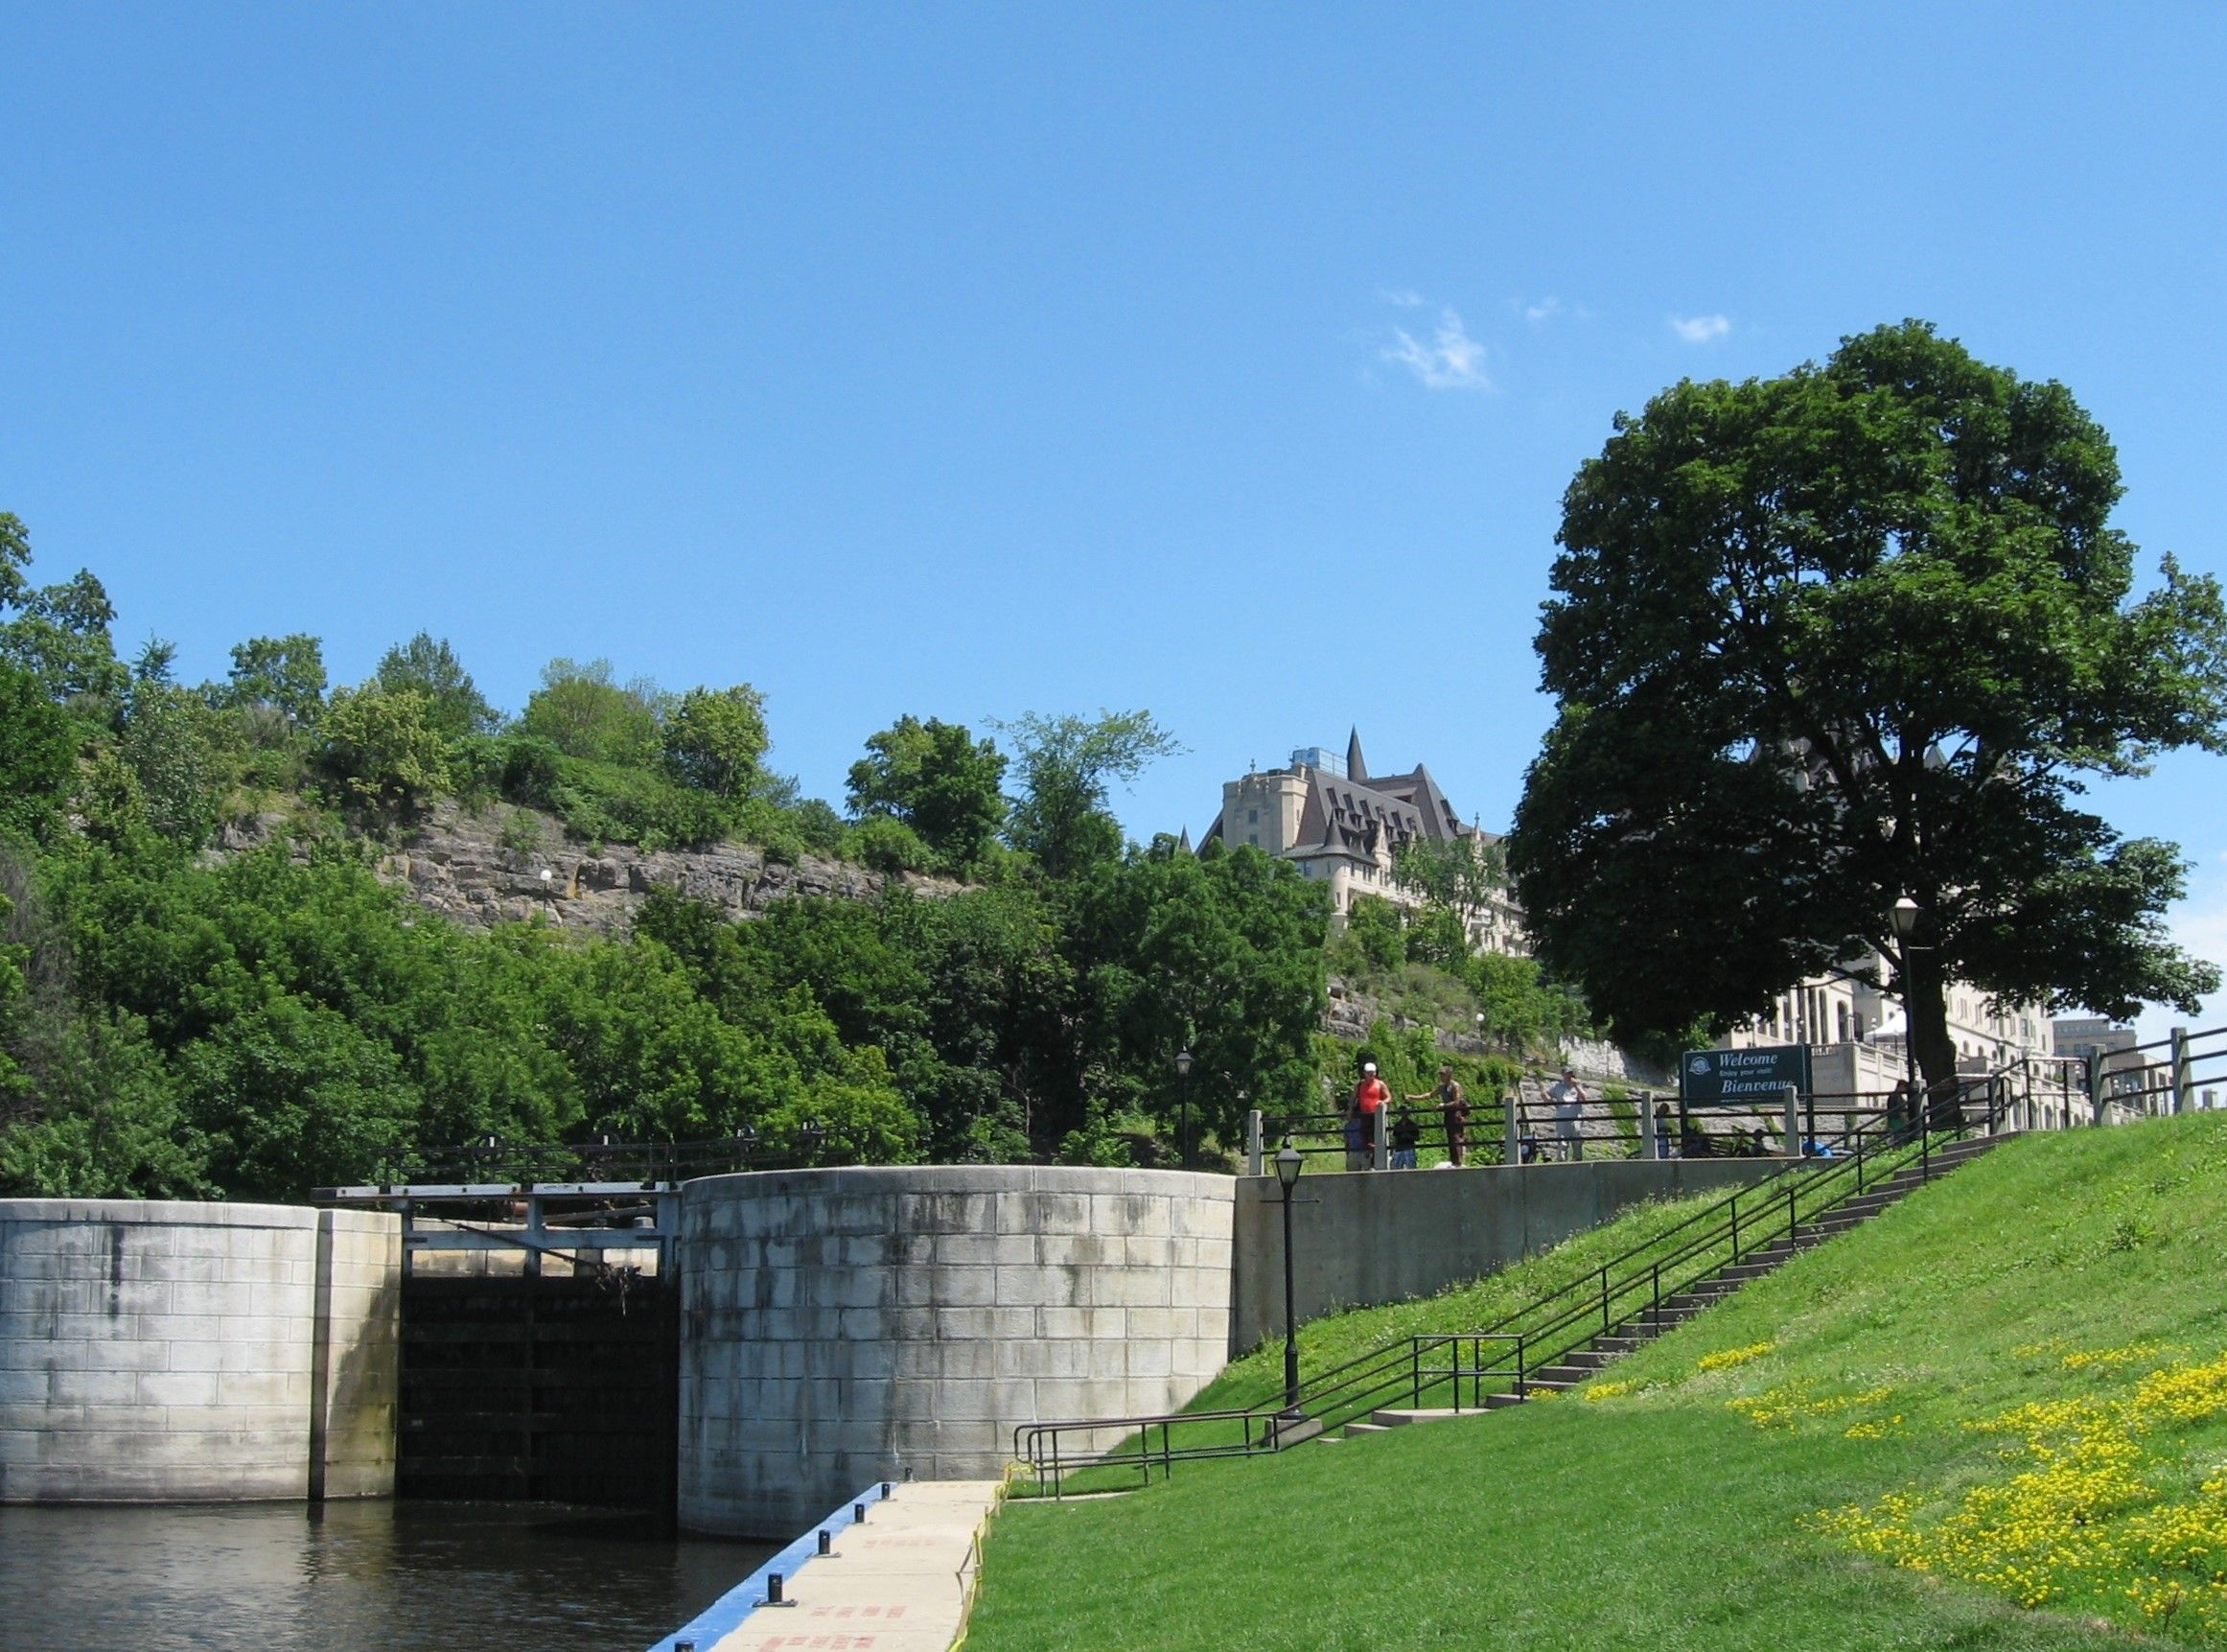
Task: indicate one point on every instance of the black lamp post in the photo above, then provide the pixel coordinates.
(1288, 1165)
(1183, 1061)
(1906, 915)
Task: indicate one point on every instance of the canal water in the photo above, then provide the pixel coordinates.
(410, 1576)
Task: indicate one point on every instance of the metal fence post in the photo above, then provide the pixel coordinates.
(1381, 1152)
(1254, 1155)
(1793, 1121)
(2184, 1072)
(2096, 1082)
(1647, 1143)
(1512, 1144)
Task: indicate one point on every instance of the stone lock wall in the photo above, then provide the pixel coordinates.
(845, 1326)
(155, 1351)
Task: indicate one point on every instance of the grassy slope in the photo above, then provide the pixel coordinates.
(1667, 1519)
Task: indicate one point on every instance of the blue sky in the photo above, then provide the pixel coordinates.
(1226, 361)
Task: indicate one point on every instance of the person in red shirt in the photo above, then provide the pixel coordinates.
(1370, 1096)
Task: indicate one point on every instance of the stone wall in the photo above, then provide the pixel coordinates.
(846, 1326)
(1369, 1237)
(170, 1352)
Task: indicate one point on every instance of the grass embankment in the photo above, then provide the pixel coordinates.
(1994, 1417)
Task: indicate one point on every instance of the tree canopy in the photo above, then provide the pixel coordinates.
(1824, 640)
(936, 778)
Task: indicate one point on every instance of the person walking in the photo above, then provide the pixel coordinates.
(1568, 1098)
(1370, 1096)
(1453, 1105)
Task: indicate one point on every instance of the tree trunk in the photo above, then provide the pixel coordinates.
(1928, 1020)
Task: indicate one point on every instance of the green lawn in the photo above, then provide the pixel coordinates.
(1877, 1420)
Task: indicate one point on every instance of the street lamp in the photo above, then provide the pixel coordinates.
(1183, 1060)
(1287, 1166)
(1906, 915)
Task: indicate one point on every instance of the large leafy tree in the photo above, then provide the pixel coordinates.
(936, 778)
(1068, 767)
(429, 664)
(1824, 641)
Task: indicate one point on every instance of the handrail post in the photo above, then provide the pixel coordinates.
(1604, 1300)
(1735, 1227)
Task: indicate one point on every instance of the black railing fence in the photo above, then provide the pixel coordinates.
(1635, 1290)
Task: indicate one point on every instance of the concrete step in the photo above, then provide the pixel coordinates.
(1402, 1417)
(1743, 1271)
(1617, 1345)
(1560, 1376)
(1591, 1358)
(1555, 1384)
(1502, 1402)
(1352, 1429)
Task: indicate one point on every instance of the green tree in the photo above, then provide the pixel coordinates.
(1068, 765)
(585, 713)
(175, 746)
(60, 633)
(936, 778)
(429, 665)
(1219, 953)
(379, 750)
(37, 755)
(714, 740)
(283, 676)
(1824, 641)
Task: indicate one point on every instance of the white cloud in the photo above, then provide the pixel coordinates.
(1700, 329)
(1546, 309)
(1406, 297)
(1451, 360)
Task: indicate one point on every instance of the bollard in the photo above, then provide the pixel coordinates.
(1256, 1162)
(773, 1596)
(888, 1489)
(858, 1513)
(827, 1541)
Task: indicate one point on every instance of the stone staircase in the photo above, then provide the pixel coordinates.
(1586, 1362)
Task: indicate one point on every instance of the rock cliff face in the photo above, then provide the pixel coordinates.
(508, 865)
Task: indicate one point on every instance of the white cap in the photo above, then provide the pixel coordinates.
(1368, 1067)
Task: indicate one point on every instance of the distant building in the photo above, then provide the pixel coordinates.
(1341, 824)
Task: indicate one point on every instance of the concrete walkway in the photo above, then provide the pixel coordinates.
(899, 1582)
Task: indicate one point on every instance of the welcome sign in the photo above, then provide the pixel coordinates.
(1742, 1077)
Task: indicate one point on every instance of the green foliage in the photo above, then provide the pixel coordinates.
(1219, 953)
(1824, 640)
(178, 749)
(378, 748)
(583, 712)
(888, 844)
(939, 781)
(37, 753)
(1375, 933)
(1068, 766)
(427, 666)
(283, 676)
(715, 740)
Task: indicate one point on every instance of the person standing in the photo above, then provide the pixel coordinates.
(1661, 1130)
(1453, 1105)
(1370, 1096)
(1568, 1098)
(1407, 1137)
